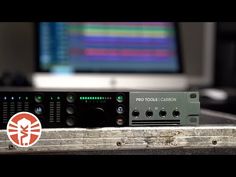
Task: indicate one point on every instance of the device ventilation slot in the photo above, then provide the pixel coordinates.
(26, 106)
(51, 112)
(58, 111)
(155, 122)
(5, 112)
(19, 107)
(12, 109)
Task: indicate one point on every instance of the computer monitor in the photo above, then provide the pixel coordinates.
(198, 43)
(118, 55)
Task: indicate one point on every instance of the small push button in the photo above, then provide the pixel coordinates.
(149, 113)
(38, 110)
(38, 98)
(135, 113)
(120, 98)
(70, 121)
(70, 98)
(120, 110)
(70, 110)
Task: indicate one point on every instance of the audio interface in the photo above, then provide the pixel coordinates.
(64, 109)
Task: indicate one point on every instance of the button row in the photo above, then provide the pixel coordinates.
(162, 113)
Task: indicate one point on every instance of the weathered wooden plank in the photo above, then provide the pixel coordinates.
(132, 138)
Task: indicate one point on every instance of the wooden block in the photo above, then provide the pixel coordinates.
(129, 138)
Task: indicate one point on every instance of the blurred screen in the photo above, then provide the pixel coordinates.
(133, 47)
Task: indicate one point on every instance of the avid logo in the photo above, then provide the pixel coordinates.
(24, 129)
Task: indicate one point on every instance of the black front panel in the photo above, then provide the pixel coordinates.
(65, 109)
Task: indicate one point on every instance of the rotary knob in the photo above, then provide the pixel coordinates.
(94, 117)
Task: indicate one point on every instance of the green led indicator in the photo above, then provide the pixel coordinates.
(51, 98)
(39, 98)
(94, 98)
(26, 98)
(120, 98)
(58, 98)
